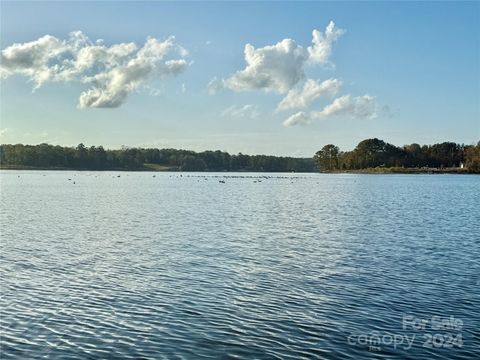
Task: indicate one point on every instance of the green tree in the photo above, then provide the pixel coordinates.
(375, 152)
(192, 163)
(327, 158)
(472, 158)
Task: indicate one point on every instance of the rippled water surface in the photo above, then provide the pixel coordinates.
(264, 266)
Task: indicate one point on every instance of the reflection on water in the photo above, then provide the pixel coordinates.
(261, 266)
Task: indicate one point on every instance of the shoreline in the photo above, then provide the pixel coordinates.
(379, 171)
(428, 171)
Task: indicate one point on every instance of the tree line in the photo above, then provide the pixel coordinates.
(97, 158)
(374, 153)
(368, 154)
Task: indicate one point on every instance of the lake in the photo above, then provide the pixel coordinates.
(141, 265)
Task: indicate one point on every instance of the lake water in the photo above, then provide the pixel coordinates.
(295, 266)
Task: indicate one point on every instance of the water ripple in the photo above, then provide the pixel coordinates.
(292, 267)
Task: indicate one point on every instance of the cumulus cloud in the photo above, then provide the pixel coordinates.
(312, 89)
(355, 107)
(112, 72)
(31, 59)
(281, 66)
(238, 111)
(276, 67)
(322, 43)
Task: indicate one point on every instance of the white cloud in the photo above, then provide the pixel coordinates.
(276, 67)
(321, 50)
(31, 59)
(360, 107)
(215, 85)
(238, 111)
(312, 89)
(113, 72)
(279, 67)
(3, 131)
(300, 118)
(110, 89)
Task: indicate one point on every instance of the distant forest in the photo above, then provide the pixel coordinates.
(97, 158)
(369, 154)
(376, 153)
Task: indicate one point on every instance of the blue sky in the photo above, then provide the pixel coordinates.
(406, 72)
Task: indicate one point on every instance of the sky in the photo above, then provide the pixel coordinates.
(279, 78)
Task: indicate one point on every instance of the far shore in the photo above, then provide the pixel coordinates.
(157, 168)
(401, 170)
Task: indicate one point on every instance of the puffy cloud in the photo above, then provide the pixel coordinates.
(279, 67)
(320, 51)
(245, 111)
(94, 55)
(31, 59)
(276, 67)
(355, 107)
(312, 89)
(110, 89)
(112, 71)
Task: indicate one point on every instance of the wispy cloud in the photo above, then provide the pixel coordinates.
(300, 118)
(360, 107)
(239, 111)
(312, 89)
